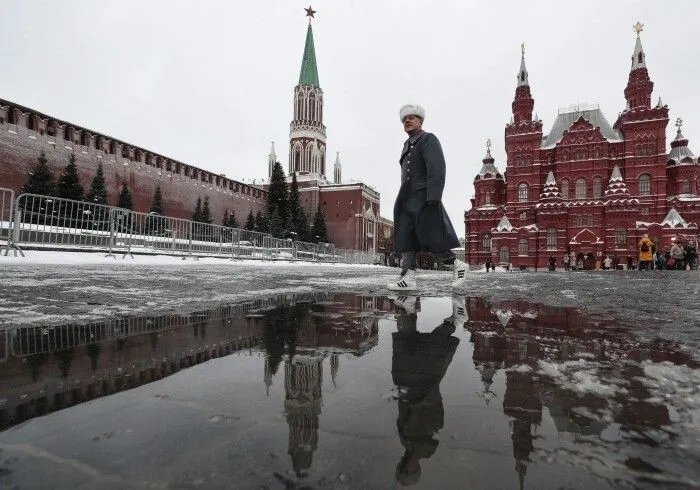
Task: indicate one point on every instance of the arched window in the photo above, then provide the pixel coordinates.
(551, 239)
(565, 189)
(504, 255)
(486, 243)
(487, 198)
(522, 192)
(597, 187)
(644, 185)
(581, 189)
(522, 246)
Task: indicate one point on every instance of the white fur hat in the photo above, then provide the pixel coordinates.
(412, 110)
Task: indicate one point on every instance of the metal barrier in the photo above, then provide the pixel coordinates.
(7, 207)
(31, 340)
(38, 220)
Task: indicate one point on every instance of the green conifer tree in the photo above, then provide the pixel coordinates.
(125, 199)
(277, 198)
(319, 232)
(206, 212)
(69, 183)
(197, 215)
(297, 221)
(39, 180)
(250, 221)
(276, 228)
(157, 203)
(98, 189)
(155, 224)
(224, 220)
(262, 223)
(232, 221)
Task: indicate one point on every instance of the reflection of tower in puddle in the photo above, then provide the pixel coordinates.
(303, 376)
(495, 349)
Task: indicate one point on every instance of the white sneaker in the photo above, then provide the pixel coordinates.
(459, 311)
(406, 303)
(459, 273)
(407, 282)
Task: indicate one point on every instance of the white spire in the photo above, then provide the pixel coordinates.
(638, 57)
(522, 73)
(271, 160)
(337, 170)
(659, 103)
(550, 178)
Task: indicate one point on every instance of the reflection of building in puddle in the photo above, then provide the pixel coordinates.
(561, 359)
(304, 336)
(51, 367)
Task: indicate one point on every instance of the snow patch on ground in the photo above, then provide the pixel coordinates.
(580, 376)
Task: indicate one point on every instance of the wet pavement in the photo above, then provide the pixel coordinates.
(358, 390)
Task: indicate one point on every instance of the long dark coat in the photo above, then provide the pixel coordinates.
(418, 227)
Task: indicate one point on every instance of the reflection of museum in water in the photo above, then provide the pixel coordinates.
(522, 338)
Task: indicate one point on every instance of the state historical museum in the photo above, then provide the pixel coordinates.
(585, 187)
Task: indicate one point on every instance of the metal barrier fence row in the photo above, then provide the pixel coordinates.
(39, 220)
(31, 340)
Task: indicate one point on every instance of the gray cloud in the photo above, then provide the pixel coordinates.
(211, 82)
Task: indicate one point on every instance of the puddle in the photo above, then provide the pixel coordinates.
(351, 391)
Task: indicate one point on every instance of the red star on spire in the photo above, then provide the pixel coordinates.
(310, 12)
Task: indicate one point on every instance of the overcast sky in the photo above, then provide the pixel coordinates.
(210, 83)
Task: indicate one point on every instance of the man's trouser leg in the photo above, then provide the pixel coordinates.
(408, 261)
(445, 258)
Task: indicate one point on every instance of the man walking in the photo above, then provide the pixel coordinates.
(420, 220)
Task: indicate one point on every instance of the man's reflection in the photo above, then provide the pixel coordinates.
(419, 362)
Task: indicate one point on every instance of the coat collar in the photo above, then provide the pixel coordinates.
(410, 142)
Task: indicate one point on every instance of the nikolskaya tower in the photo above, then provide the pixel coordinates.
(307, 134)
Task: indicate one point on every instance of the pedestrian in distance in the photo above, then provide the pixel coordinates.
(645, 252)
(489, 266)
(420, 220)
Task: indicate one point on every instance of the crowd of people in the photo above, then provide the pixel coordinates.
(680, 256)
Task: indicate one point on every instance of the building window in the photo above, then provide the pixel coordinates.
(620, 237)
(487, 198)
(581, 189)
(644, 185)
(597, 188)
(685, 187)
(486, 243)
(504, 255)
(552, 239)
(522, 246)
(565, 189)
(644, 210)
(522, 192)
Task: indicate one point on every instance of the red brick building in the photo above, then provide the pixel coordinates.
(25, 133)
(587, 186)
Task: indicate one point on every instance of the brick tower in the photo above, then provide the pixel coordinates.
(307, 134)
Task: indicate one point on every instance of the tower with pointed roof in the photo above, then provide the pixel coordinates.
(271, 160)
(337, 170)
(643, 129)
(523, 136)
(307, 134)
(682, 167)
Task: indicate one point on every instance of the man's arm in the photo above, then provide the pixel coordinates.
(435, 167)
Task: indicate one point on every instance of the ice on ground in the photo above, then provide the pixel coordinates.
(580, 376)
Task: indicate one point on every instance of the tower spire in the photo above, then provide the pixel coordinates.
(337, 169)
(639, 85)
(638, 57)
(271, 160)
(309, 74)
(523, 103)
(522, 73)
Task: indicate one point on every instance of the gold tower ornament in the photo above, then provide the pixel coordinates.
(638, 27)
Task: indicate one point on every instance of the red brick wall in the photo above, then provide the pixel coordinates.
(20, 148)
